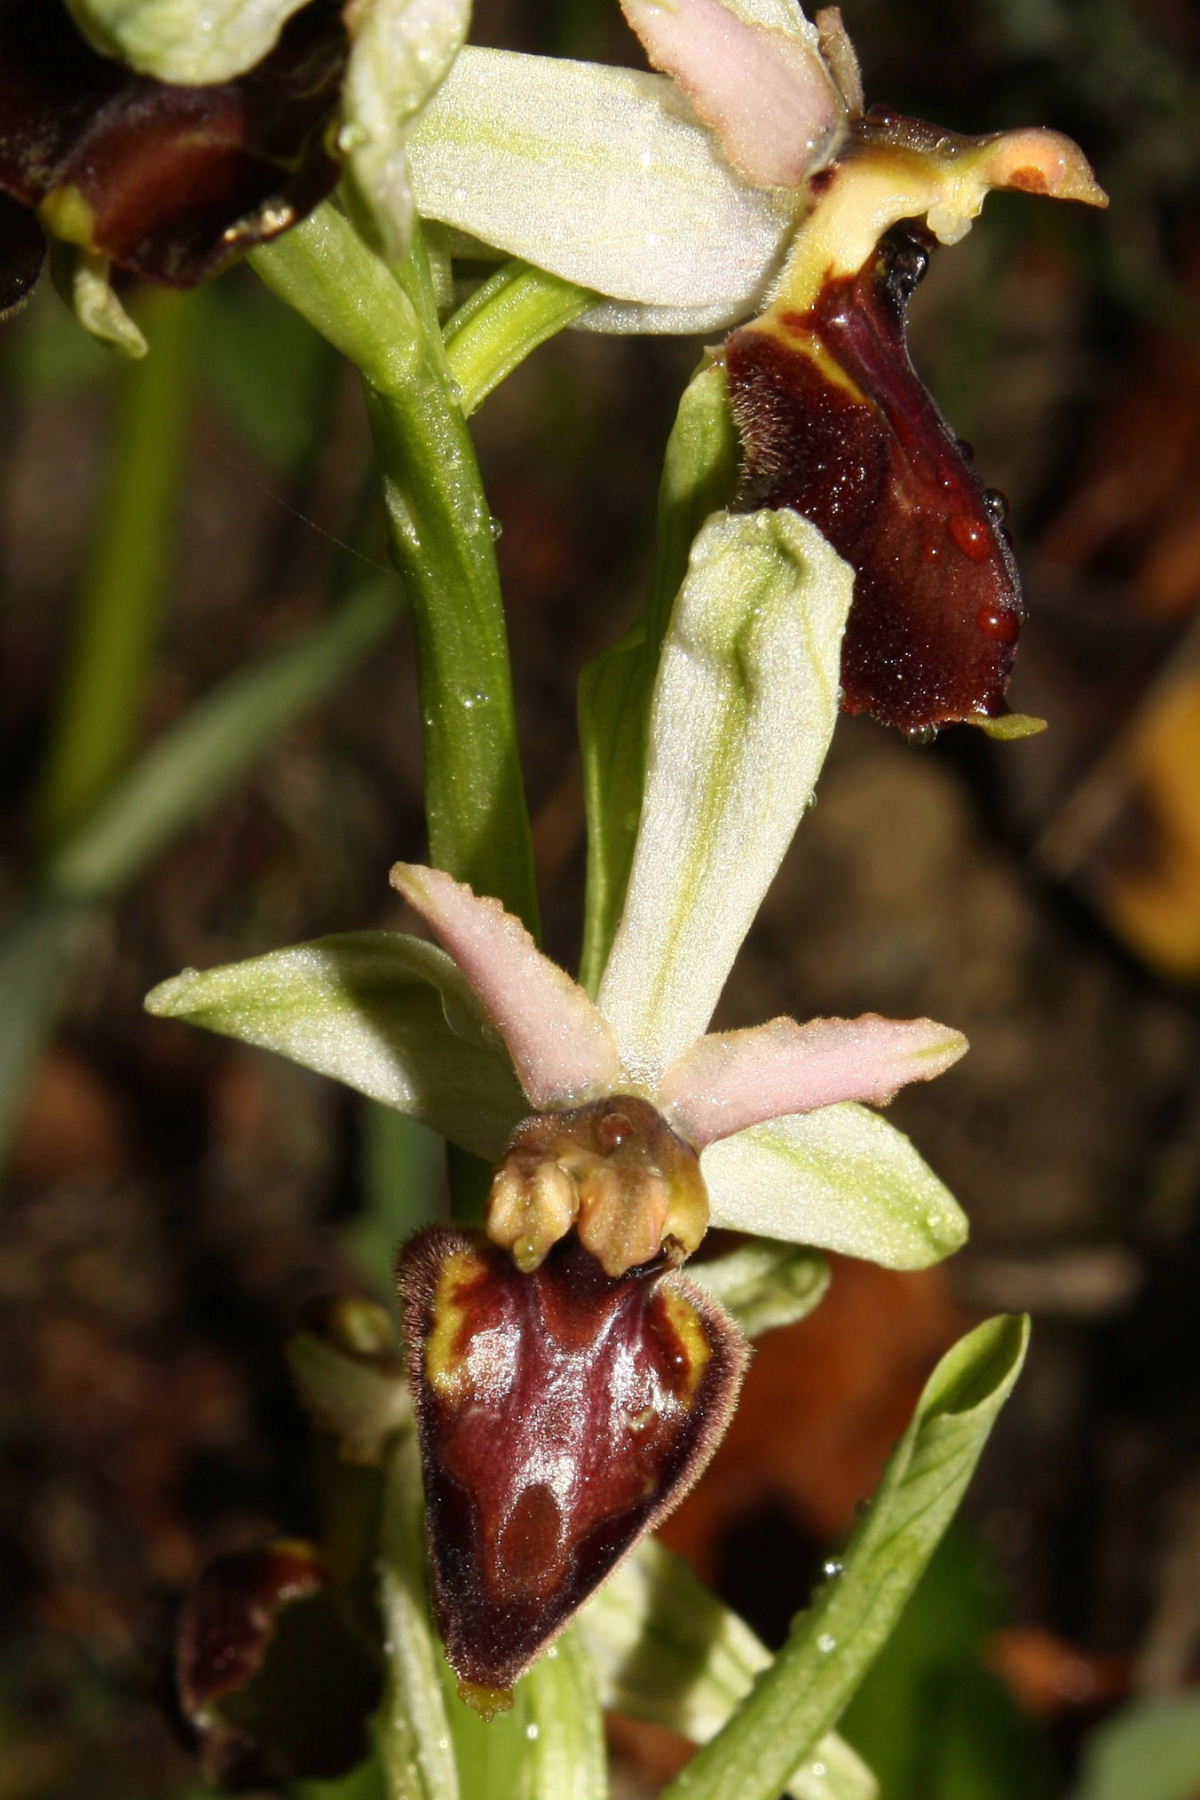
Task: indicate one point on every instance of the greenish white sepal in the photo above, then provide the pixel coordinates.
(387, 1014)
(744, 707)
(842, 1178)
(603, 176)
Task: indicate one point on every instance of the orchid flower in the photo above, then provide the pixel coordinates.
(168, 136)
(567, 1379)
(748, 180)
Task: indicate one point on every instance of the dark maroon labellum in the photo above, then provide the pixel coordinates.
(22, 253)
(169, 181)
(273, 1673)
(562, 1414)
(836, 424)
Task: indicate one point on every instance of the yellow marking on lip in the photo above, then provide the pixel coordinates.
(445, 1365)
(689, 1328)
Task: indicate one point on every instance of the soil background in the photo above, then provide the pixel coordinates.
(174, 1198)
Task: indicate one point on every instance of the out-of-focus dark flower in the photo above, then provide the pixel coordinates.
(169, 182)
(170, 139)
(271, 1674)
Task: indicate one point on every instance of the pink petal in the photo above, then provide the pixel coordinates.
(765, 93)
(734, 1079)
(562, 1049)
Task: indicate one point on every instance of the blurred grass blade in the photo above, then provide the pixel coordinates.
(198, 758)
(38, 950)
(402, 1173)
(124, 585)
(667, 1651)
(190, 767)
(1150, 1750)
(764, 1284)
(549, 1745)
(503, 322)
(615, 687)
(413, 1732)
(832, 1645)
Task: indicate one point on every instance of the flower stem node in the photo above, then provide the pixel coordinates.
(616, 1171)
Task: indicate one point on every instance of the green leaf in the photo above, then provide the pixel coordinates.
(1150, 1750)
(841, 1177)
(764, 1285)
(834, 1642)
(932, 1719)
(745, 703)
(195, 42)
(615, 688)
(385, 1013)
(667, 1651)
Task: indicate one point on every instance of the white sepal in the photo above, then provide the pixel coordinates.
(744, 707)
(601, 175)
(387, 1014)
(400, 52)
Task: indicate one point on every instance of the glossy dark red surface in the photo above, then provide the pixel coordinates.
(562, 1413)
(937, 603)
(177, 179)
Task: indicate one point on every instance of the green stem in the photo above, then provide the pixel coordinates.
(505, 319)
(120, 606)
(442, 542)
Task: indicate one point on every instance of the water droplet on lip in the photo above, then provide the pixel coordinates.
(971, 536)
(834, 1568)
(1005, 627)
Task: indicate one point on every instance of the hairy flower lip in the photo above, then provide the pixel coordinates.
(562, 1414)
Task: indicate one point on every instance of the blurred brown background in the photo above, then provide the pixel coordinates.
(173, 1198)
